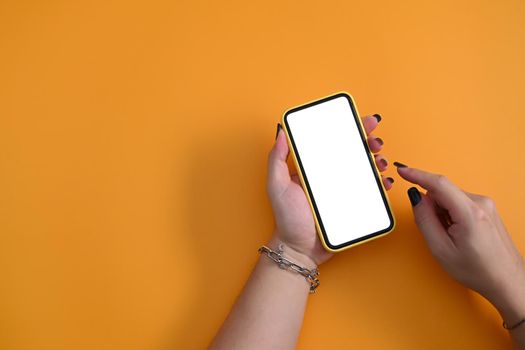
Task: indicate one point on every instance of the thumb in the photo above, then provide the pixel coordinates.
(428, 222)
(278, 173)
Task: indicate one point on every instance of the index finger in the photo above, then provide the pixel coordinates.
(446, 194)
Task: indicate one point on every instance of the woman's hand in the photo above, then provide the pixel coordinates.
(466, 235)
(295, 226)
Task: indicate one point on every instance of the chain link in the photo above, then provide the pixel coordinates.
(285, 264)
(511, 327)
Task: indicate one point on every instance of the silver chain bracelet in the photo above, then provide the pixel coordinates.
(514, 326)
(285, 264)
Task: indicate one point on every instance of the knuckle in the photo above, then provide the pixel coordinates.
(487, 203)
(479, 213)
(441, 180)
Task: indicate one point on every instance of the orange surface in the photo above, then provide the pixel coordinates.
(133, 145)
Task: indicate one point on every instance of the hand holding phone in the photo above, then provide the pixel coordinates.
(295, 224)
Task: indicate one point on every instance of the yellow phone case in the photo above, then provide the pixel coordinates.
(300, 172)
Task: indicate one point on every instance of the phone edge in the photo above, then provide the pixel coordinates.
(294, 156)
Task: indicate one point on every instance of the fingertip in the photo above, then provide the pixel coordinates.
(279, 128)
(403, 172)
(370, 123)
(381, 161)
(375, 143)
(280, 146)
(279, 174)
(414, 196)
(400, 165)
(402, 169)
(388, 182)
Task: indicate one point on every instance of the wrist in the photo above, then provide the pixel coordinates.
(285, 258)
(293, 254)
(510, 300)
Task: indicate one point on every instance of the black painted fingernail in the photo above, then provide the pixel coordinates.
(400, 165)
(378, 117)
(279, 127)
(414, 196)
(380, 141)
(389, 179)
(383, 162)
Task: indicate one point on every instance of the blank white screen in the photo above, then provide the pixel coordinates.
(338, 170)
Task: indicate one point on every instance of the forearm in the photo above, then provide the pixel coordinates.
(269, 312)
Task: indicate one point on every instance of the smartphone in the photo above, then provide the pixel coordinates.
(338, 172)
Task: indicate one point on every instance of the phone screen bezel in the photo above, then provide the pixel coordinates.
(371, 162)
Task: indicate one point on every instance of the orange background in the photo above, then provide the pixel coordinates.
(133, 145)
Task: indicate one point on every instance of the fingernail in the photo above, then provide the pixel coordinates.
(378, 117)
(279, 127)
(380, 141)
(391, 180)
(400, 165)
(414, 196)
(383, 162)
